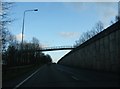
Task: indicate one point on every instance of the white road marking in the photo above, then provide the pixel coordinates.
(65, 71)
(69, 73)
(75, 78)
(26, 79)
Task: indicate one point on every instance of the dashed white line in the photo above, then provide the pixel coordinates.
(75, 78)
(69, 73)
(65, 71)
(26, 79)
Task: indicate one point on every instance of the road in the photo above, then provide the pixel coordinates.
(54, 75)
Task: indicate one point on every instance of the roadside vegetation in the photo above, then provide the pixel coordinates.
(99, 26)
(17, 58)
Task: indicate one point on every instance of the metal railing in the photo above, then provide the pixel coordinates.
(58, 47)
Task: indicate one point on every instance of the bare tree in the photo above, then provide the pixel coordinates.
(117, 18)
(89, 34)
(98, 28)
(35, 40)
(5, 20)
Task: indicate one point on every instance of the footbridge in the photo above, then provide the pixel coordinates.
(55, 48)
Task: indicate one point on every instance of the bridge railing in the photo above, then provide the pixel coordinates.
(57, 47)
(51, 48)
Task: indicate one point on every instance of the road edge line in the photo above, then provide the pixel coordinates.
(26, 79)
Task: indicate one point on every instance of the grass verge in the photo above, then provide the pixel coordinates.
(18, 72)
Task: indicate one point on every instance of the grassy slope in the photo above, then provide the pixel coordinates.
(15, 73)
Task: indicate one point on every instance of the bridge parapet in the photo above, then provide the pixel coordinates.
(58, 47)
(51, 48)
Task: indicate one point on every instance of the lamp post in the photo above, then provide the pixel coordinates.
(24, 22)
(23, 28)
(119, 10)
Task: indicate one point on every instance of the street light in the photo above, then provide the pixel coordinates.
(24, 22)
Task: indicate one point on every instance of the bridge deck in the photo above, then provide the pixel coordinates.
(54, 48)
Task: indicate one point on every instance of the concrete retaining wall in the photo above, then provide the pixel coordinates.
(102, 52)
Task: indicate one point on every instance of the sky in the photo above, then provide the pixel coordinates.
(59, 23)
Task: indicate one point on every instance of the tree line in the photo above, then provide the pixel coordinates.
(99, 26)
(13, 52)
(25, 54)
